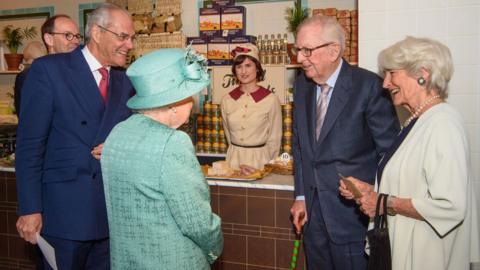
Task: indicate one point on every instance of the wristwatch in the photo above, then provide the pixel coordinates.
(390, 210)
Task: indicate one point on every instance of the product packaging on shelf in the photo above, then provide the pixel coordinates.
(233, 21)
(218, 52)
(210, 22)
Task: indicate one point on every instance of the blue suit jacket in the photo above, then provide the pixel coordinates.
(62, 118)
(359, 126)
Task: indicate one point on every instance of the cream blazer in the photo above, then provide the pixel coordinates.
(432, 167)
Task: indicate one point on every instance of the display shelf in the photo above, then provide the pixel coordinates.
(10, 72)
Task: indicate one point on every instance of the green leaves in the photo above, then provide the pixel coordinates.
(15, 37)
(295, 17)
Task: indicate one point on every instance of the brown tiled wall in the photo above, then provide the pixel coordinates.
(256, 225)
(257, 228)
(14, 252)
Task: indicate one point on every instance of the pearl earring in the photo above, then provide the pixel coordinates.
(174, 110)
(421, 81)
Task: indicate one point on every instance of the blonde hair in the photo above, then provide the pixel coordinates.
(414, 54)
(331, 30)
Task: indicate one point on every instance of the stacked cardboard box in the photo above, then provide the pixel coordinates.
(218, 49)
(348, 19)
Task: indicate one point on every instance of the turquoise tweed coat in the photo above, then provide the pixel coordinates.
(158, 201)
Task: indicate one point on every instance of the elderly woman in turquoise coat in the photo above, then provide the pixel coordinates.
(158, 201)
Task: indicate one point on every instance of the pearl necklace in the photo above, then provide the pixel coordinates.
(419, 109)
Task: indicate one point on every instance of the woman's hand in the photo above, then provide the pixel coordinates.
(363, 187)
(368, 200)
(368, 203)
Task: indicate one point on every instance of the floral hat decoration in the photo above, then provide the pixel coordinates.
(167, 76)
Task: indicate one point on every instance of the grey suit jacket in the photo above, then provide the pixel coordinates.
(360, 125)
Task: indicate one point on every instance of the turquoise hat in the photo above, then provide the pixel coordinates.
(166, 76)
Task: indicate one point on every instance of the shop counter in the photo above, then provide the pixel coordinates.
(255, 217)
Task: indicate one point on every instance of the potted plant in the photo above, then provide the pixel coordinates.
(295, 16)
(14, 39)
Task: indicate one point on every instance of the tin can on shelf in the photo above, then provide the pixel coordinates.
(214, 135)
(287, 109)
(215, 108)
(207, 147)
(287, 137)
(200, 146)
(215, 147)
(207, 135)
(287, 148)
(287, 123)
(221, 136)
(199, 121)
(207, 109)
(207, 122)
(223, 147)
(200, 134)
(216, 124)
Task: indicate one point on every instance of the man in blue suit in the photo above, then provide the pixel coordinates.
(70, 103)
(343, 123)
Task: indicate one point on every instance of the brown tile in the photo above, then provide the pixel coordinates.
(261, 251)
(284, 251)
(282, 213)
(234, 249)
(284, 194)
(261, 211)
(3, 246)
(276, 230)
(246, 227)
(3, 190)
(10, 175)
(214, 189)
(11, 191)
(12, 223)
(227, 225)
(233, 209)
(255, 267)
(3, 222)
(232, 190)
(20, 249)
(233, 266)
(244, 232)
(258, 192)
(214, 203)
(275, 235)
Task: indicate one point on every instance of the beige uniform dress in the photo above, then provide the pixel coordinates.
(253, 127)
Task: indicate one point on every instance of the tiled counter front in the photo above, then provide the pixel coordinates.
(15, 253)
(256, 225)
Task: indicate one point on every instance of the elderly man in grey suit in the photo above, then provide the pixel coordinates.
(343, 122)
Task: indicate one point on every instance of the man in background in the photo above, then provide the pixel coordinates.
(343, 122)
(70, 104)
(60, 34)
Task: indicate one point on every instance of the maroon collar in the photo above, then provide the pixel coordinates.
(258, 95)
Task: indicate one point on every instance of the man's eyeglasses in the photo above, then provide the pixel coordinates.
(307, 52)
(68, 35)
(121, 36)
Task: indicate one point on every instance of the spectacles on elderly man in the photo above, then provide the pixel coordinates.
(121, 36)
(68, 35)
(307, 52)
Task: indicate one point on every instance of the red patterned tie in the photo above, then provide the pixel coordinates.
(103, 83)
